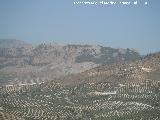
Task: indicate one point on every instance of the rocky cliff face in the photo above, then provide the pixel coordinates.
(30, 64)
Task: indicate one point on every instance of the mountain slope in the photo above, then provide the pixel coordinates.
(35, 64)
(109, 92)
(147, 68)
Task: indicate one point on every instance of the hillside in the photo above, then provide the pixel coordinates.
(148, 68)
(122, 91)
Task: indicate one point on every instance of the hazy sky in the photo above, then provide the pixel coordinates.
(63, 22)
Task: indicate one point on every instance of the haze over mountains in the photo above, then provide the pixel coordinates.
(23, 63)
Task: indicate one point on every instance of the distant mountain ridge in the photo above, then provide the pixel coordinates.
(34, 64)
(13, 43)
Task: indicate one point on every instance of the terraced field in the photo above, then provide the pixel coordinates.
(89, 101)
